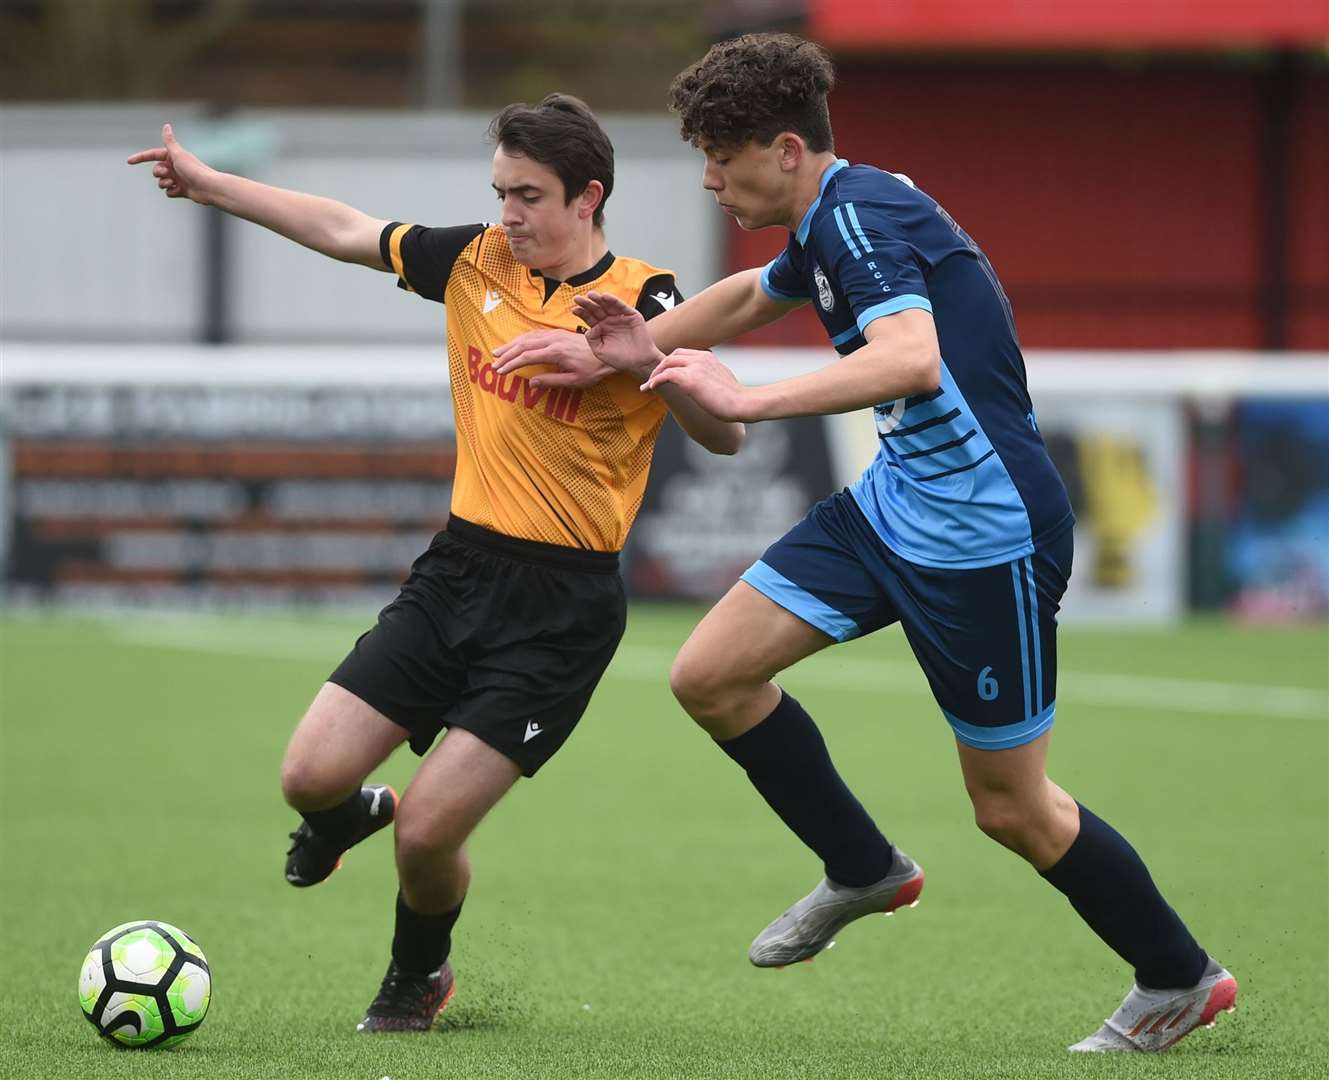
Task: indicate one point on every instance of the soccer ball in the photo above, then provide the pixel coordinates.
(145, 984)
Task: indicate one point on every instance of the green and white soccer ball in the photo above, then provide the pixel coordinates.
(145, 983)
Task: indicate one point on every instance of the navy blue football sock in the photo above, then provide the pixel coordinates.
(421, 943)
(786, 759)
(1110, 888)
(337, 824)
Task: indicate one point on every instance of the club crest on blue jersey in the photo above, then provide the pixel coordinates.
(824, 294)
(888, 415)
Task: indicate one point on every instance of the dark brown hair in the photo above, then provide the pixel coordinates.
(564, 134)
(754, 87)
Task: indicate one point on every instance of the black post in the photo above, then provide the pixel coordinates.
(215, 328)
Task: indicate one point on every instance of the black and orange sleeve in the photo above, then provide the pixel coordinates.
(422, 258)
(658, 295)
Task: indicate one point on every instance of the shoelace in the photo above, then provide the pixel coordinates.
(402, 993)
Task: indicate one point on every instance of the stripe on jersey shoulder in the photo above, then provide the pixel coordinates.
(858, 229)
(844, 232)
(891, 307)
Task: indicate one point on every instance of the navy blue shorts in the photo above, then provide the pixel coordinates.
(985, 638)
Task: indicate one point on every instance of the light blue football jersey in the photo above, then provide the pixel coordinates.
(962, 478)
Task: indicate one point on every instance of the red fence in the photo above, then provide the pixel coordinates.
(1124, 206)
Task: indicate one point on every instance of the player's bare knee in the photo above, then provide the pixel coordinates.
(1001, 816)
(688, 682)
(305, 785)
(421, 838)
(707, 690)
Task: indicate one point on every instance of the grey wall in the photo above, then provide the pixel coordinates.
(92, 251)
(83, 250)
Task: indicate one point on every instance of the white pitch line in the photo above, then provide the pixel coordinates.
(826, 671)
(295, 642)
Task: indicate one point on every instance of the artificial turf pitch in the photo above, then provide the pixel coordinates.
(614, 896)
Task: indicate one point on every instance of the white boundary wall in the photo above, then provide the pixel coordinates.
(1122, 416)
(1197, 375)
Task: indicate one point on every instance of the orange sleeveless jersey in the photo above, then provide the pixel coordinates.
(561, 466)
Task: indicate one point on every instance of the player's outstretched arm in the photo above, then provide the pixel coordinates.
(325, 225)
(901, 358)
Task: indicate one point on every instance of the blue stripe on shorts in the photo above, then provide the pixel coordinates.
(1005, 737)
(774, 585)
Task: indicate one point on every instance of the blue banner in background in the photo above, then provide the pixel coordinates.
(1278, 539)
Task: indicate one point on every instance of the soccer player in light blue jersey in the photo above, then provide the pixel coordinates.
(959, 530)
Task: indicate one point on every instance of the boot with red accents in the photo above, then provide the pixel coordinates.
(1151, 1021)
(812, 923)
(409, 1002)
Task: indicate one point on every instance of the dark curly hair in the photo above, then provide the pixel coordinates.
(754, 87)
(564, 134)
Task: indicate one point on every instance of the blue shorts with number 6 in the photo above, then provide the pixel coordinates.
(985, 638)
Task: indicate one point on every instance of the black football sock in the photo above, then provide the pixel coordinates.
(786, 759)
(1110, 888)
(337, 824)
(421, 943)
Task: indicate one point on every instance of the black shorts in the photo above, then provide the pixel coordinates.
(504, 638)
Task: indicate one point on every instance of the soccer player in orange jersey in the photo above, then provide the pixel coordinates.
(508, 621)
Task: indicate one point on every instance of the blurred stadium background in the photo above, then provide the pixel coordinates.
(197, 412)
(196, 415)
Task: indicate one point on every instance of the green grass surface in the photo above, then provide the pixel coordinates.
(615, 896)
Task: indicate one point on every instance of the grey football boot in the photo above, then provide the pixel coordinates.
(812, 923)
(1154, 1020)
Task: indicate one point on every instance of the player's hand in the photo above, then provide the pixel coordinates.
(707, 381)
(179, 173)
(568, 352)
(617, 334)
